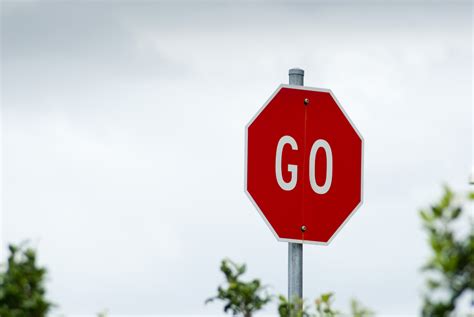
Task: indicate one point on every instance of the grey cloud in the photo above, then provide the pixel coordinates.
(48, 40)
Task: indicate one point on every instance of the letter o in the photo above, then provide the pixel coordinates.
(312, 166)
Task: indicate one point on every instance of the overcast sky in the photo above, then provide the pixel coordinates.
(123, 143)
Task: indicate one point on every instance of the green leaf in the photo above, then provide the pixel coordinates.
(456, 212)
(432, 284)
(424, 215)
(447, 197)
(437, 211)
(326, 297)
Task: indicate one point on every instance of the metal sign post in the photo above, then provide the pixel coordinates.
(295, 250)
(281, 166)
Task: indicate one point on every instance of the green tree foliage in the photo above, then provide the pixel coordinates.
(292, 308)
(240, 297)
(323, 308)
(450, 267)
(357, 310)
(22, 291)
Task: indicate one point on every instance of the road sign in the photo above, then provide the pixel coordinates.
(303, 164)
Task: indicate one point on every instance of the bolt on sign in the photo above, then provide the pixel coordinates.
(303, 164)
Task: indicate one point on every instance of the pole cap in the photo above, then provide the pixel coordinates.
(296, 71)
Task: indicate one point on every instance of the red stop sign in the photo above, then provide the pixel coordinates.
(303, 164)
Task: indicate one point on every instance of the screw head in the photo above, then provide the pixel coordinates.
(306, 101)
(303, 228)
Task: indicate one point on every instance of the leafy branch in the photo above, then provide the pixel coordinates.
(240, 297)
(451, 265)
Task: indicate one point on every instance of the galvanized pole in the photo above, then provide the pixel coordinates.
(295, 250)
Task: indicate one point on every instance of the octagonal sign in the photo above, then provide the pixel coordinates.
(303, 164)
